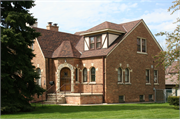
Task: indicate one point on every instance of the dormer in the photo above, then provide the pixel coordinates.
(102, 35)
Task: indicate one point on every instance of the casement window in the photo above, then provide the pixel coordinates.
(155, 76)
(85, 75)
(121, 99)
(95, 42)
(141, 45)
(92, 42)
(141, 98)
(147, 76)
(93, 74)
(98, 42)
(76, 74)
(126, 75)
(38, 80)
(119, 74)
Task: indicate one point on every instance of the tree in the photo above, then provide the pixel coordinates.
(173, 42)
(17, 71)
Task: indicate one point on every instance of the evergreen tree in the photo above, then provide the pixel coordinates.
(17, 71)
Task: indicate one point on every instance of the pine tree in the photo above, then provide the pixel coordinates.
(17, 71)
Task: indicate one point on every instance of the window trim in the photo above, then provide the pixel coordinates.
(154, 76)
(83, 75)
(121, 75)
(91, 75)
(149, 76)
(141, 52)
(95, 42)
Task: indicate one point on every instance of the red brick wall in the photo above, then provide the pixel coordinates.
(39, 60)
(126, 53)
(91, 99)
(73, 100)
(84, 99)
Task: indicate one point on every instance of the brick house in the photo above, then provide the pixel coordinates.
(108, 63)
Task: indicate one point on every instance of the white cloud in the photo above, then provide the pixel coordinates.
(72, 15)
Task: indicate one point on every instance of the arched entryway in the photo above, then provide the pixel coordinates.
(65, 79)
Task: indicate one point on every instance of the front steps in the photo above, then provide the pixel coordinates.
(51, 98)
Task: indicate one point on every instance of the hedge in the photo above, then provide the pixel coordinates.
(173, 100)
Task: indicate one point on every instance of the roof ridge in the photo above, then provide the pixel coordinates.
(129, 22)
(55, 31)
(71, 48)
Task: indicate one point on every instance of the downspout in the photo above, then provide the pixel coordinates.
(103, 80)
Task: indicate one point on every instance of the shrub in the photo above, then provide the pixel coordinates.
(173, 100)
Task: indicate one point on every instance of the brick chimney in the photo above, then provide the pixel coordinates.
(53, 27)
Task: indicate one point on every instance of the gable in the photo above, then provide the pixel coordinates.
(134, 29)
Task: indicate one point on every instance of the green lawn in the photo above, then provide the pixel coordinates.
(153, 110)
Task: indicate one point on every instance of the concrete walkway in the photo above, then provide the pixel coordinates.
(103, 104)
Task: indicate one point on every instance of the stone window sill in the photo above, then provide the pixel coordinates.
(120, 83)
(148, 83)
(156, 83)
(85, 83)
(77, 82)
(128, 83)
(92, 83)
(145, 53)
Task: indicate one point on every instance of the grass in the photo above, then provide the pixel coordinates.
(154, 110)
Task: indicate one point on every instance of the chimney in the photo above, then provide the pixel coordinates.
(53, 27)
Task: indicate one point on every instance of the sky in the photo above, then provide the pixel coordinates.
(79, 15)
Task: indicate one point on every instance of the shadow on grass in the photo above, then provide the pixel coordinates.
(70, 109)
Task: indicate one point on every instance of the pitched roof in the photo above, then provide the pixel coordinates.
(173, 68)
(103, 52)
(53, 43)
(66, 49)
(171, 79)
(106, 25)
(59, 44)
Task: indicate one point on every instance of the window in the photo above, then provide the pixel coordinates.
(155, 76)
(151, 97)
(92, 43)
(76, 73)
(138, 44)
(93, 74)
(127, 75)
(95, 42)
(147, 76)
(98, 42)
(121, 98)
(38, 70)
(141, 98)
(141, 45)
(119, 74)
(84, 75)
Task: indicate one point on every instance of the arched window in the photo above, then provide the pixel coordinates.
(93, 74)
(38, 70)
(127, 75)
(119, 74)
(84, 75)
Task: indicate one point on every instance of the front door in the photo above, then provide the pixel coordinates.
(65, 79)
